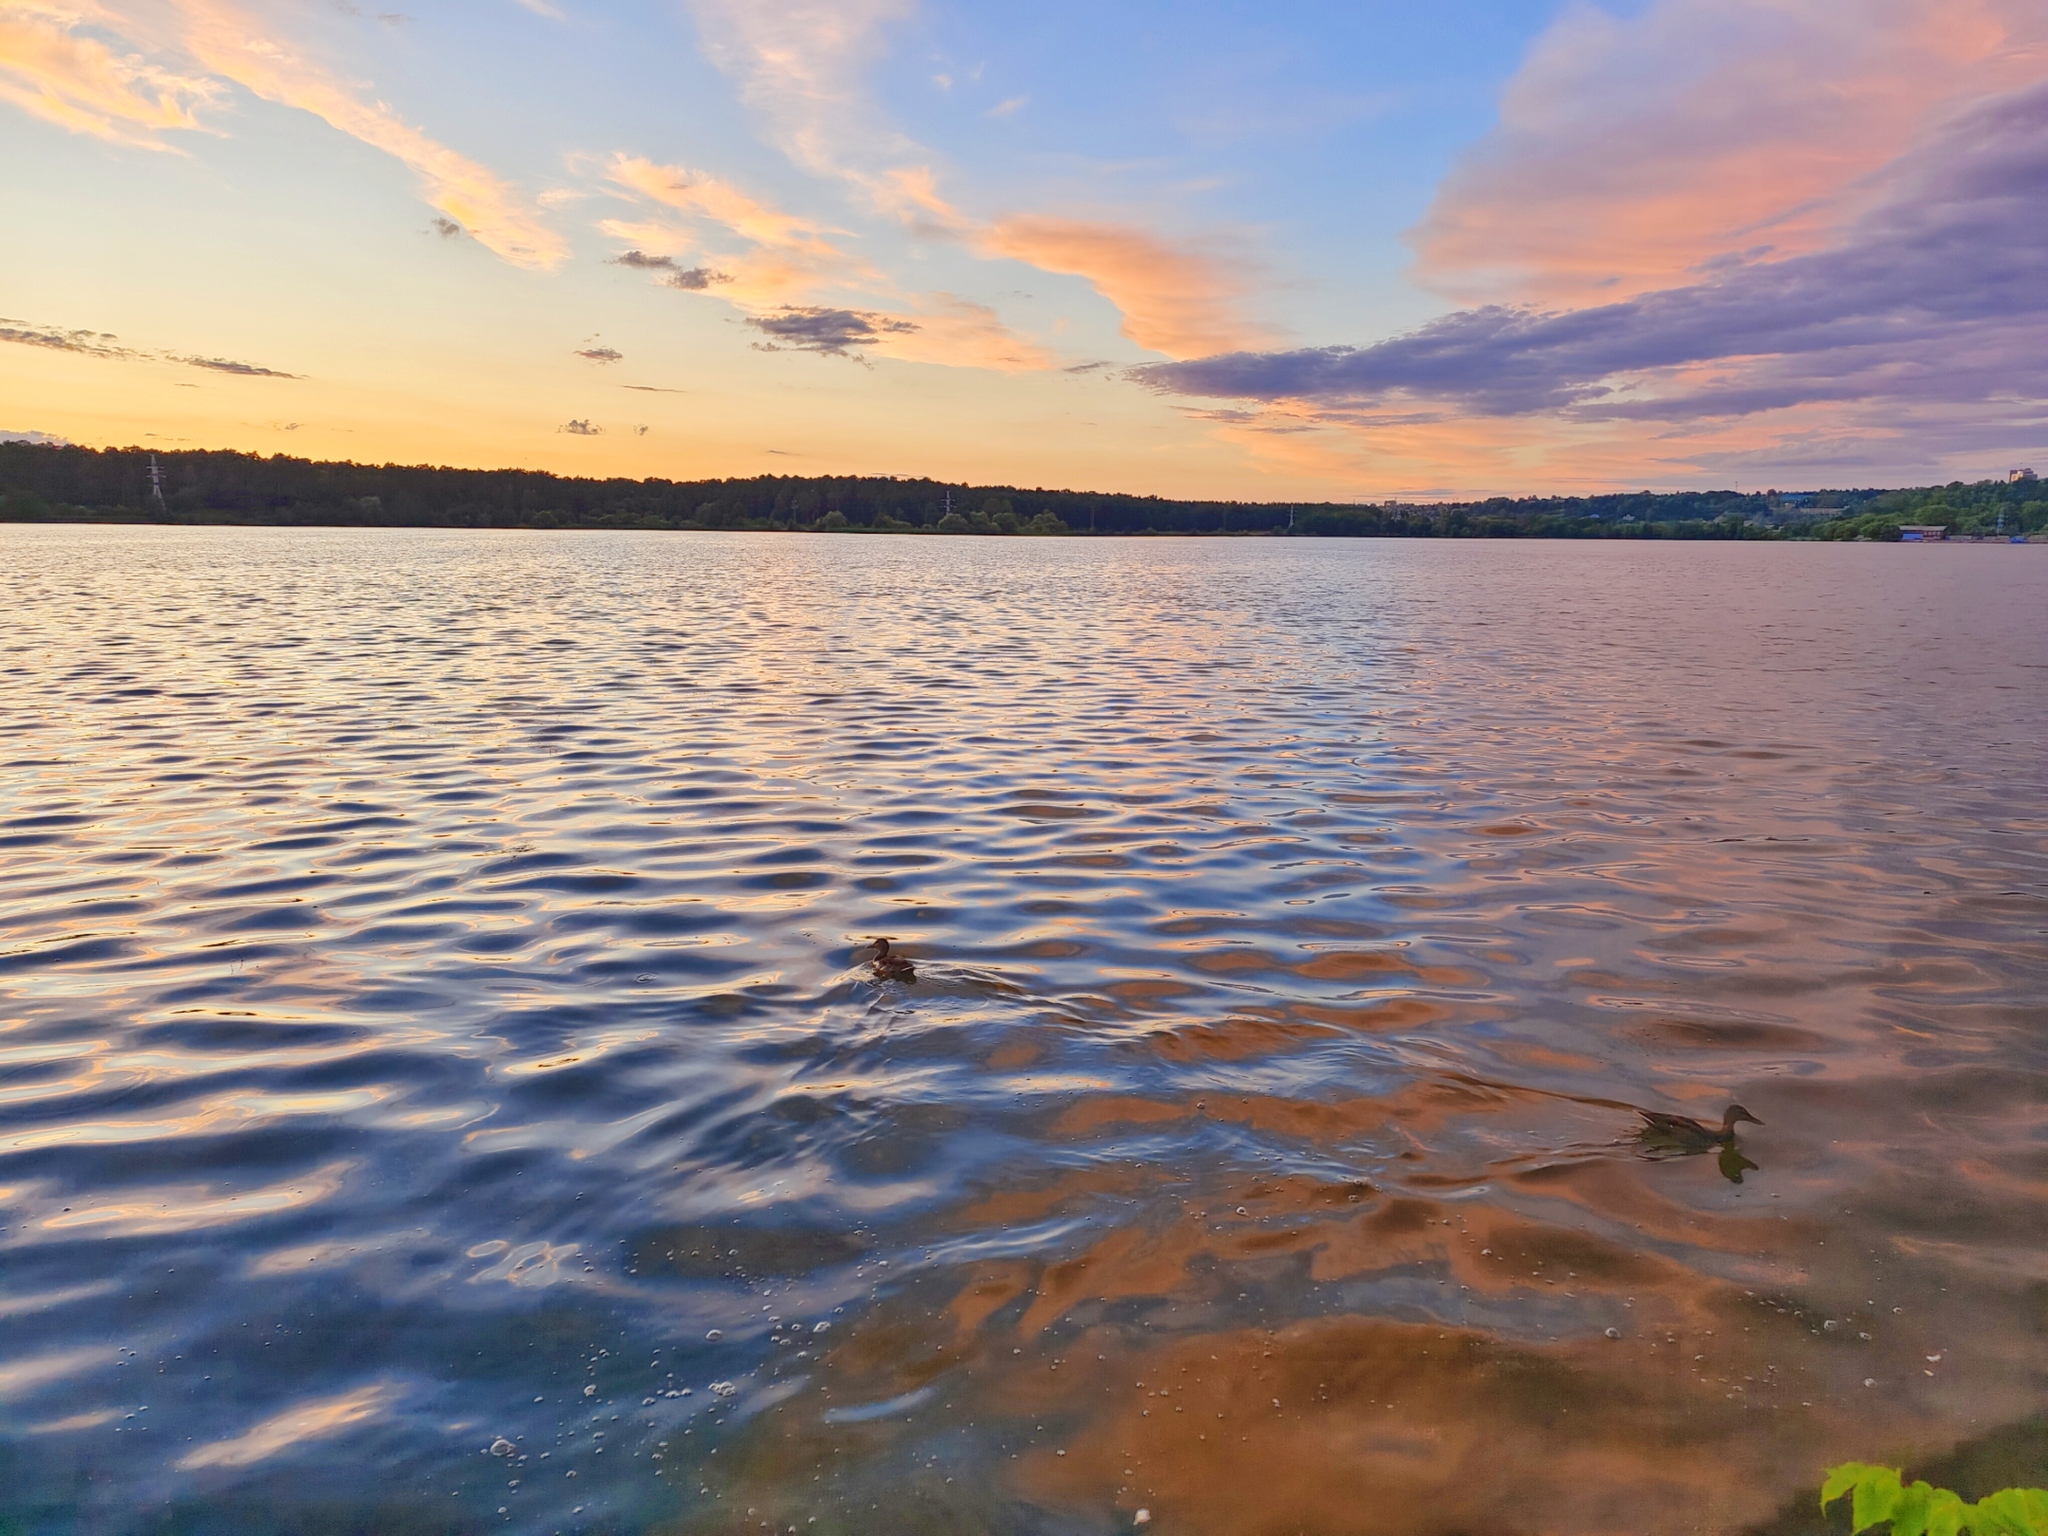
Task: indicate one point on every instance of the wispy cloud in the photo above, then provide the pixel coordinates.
(91, 343)
(233, 46)
(601, 354)
(62, 64)
(800, 66)
(228, 365)
(103, 344)
(580, 429)
(1180, 302)
(56, 64)
(707, 197)
(794, 282)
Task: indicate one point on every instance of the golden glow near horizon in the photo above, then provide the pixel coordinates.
(1169, 250)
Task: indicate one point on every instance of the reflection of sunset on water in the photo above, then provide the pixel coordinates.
(443, 1052)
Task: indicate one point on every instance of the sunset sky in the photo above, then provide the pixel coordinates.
(1259, 251)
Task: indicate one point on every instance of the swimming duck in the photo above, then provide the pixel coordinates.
(1678, 1134)
(891, 967)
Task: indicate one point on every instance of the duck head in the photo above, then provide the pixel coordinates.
(1736, 1115)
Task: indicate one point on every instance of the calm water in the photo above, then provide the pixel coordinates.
(440, 1089)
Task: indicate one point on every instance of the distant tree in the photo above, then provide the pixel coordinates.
(953, 522)
(23, 507)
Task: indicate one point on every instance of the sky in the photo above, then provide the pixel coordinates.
(1279, 251)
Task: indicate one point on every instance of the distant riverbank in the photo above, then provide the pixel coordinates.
(46, 483)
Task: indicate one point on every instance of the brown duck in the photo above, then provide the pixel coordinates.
(891, 967)
(1675, 1133)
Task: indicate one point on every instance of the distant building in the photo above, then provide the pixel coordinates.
(2020, 474)
(1922, 533)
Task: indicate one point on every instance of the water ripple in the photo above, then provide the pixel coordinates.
(441, 1086)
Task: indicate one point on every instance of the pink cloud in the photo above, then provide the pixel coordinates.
(1634, 151)
(1916, 338)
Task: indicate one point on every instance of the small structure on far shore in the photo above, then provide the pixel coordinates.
(1922, 533)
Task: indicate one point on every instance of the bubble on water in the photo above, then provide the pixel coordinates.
(715, 1335)
(1614, 1333)
(724, 1389)
(590, 1391)
(819, 1327)
(502, 1447)
(1143, 1517)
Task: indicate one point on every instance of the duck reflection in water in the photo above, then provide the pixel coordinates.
(888, 966)
(1663, 1136)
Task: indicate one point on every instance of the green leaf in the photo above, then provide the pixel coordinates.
(1876, 1496)
(1916, 1504)
(2004, 1513)
(1841, 1479)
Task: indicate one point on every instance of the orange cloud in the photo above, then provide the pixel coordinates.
(792, 267)
(52, 71)
(1631, 151)
(962, 334)
(489, 208)
(1179, 302)
(791, 260)
(702, 196)
(799, 63)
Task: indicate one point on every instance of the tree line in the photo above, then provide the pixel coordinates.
(42, 482)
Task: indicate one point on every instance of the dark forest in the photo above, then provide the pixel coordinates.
(43, 483)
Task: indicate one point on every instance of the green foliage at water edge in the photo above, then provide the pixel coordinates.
(1878, 1494)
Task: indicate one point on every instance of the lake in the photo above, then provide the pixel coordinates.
(442, 1087)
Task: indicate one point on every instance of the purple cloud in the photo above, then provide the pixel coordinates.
(674, 274)
(831, 332)
(1937, 296)
(241, 370)
(104, 344)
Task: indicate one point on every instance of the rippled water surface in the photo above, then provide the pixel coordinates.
(441, 1088)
